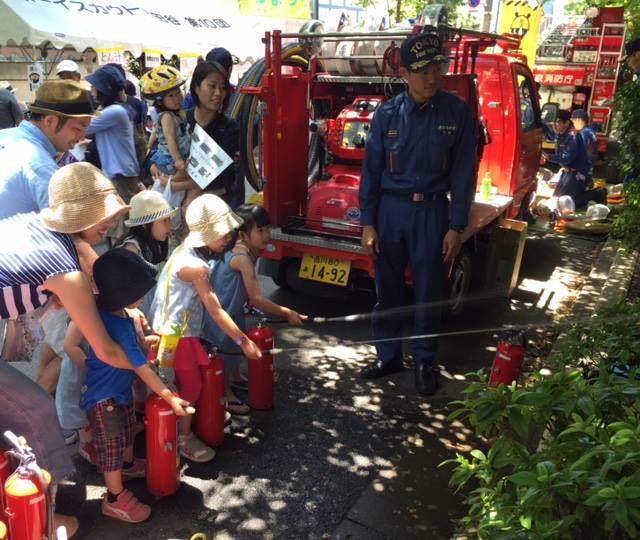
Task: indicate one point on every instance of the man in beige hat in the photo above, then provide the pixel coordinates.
(58, 119)
(10, 110)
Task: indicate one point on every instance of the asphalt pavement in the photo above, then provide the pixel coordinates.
(339, 457)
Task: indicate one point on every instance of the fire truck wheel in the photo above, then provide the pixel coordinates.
(280, 279)
(458, 284)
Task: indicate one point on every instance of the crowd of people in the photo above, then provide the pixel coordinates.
(95, 262)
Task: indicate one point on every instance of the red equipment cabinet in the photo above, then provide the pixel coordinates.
(163, 464)
(315, 234)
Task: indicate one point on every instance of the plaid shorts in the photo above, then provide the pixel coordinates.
(112, 428)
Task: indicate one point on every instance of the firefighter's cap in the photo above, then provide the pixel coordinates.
(421, 51)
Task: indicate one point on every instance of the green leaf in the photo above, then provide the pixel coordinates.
(608, 493)
(524, 478)
(631, 493)
(595, 500)
(525, 521)
(479, 455)
(519, 423)
(585, 403)
(621, 515)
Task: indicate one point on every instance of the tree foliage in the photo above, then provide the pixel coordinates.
(410, 9)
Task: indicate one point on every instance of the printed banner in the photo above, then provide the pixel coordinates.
(287, 9)
(206, 159)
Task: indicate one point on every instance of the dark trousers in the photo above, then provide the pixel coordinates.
(409, 233)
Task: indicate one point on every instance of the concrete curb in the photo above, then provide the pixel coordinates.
(607, 284)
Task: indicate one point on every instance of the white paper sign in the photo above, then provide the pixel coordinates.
(111, 57)
(35, 75)
(206, 159)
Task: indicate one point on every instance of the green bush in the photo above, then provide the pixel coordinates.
(564, 462)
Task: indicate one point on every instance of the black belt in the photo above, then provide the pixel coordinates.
(415, 197)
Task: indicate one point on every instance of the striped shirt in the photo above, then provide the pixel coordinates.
(29, 255)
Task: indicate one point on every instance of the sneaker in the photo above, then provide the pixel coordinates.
(194, 449)
(137, 470)
(70, 436)
(87, 451)
(126, 508)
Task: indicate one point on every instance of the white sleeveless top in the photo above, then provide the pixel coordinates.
(182, 296)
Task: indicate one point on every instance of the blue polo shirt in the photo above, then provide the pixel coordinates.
(428, 148)
(28, 161)
(104, 381)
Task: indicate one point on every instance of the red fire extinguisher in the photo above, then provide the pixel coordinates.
(261, 375)
(161, 433)
(507, 363)
(5, 472)
(29, 505)
(210, 406)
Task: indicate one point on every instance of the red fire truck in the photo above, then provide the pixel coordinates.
(577, 66)
(313, 124)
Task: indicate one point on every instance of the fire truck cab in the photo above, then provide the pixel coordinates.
(315, 239)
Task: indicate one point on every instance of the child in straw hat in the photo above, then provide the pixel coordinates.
(184, 289)
(122, 279)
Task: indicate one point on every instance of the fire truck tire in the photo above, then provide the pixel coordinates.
(457, 286)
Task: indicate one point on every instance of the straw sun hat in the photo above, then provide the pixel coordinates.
(209, 218)
(147, 207)
(80, 196)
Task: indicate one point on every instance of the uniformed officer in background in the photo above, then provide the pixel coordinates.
(421, 147)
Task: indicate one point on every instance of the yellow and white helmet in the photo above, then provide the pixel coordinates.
(159, 81)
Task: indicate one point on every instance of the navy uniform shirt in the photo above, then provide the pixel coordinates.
(429, 148)
(570, 152)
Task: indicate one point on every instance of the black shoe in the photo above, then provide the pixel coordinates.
(378, 369)
(426, 380)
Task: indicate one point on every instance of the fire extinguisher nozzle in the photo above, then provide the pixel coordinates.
(273, 351)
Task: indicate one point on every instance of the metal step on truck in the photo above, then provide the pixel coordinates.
(305, 112)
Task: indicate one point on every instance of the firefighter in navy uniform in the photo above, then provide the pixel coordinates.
(421, 147)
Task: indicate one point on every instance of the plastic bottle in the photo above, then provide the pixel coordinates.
(485, 187)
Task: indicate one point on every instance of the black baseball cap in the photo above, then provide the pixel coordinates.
(220, 55)
(421, 51)
(563, 115)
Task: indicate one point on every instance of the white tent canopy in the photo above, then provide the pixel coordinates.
(185, 28)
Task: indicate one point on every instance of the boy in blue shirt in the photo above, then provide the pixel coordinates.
(123, 279)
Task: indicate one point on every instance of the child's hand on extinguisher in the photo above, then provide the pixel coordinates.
(249, 348)
(180, 406)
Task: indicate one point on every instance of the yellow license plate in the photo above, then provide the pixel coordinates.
(325, 269)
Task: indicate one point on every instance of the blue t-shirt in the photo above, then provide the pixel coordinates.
(104, 381)
(114, 137)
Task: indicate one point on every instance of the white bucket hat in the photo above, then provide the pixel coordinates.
(209, 218)
(147, 207)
